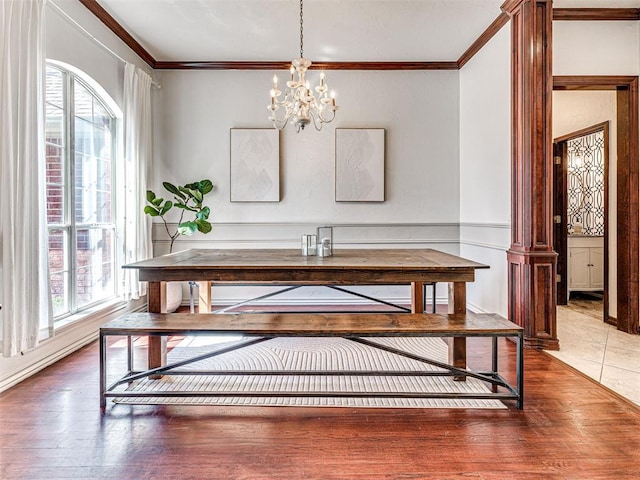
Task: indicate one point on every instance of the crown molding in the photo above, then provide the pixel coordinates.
(94, 7)
(610, 14)
(483, 39)
(284, 65)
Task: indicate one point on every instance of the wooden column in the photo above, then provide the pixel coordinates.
(531, 259)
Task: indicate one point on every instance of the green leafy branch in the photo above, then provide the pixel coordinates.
(188, 198)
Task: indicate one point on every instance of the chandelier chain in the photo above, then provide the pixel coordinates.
(301, 35)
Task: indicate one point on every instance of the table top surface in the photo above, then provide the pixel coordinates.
(397, 259)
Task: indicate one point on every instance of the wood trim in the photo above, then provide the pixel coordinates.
(607, 235)
(592, 82)
(104, 16)
(611, 14)
(585, 131)
(560, 195)
(284, 65)
(483, 39)
(628, 224)
(628, 188)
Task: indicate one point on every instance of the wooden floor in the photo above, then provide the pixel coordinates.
(51, 427)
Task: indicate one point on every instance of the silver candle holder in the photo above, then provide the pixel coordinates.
(325, 241)
(309, 245)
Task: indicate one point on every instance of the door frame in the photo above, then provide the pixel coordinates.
(628, 189)
(560, 195)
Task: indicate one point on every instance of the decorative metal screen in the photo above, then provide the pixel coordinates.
(585, 182)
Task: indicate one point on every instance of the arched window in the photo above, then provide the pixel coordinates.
(80, 141)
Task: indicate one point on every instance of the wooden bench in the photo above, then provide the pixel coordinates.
(356, 327)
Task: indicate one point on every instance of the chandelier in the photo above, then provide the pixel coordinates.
(299, 104)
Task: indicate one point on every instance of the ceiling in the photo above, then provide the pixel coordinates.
(334, 30)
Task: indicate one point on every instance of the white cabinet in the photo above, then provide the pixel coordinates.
(586, 263)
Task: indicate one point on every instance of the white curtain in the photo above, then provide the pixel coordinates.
(137, 153)
(24, 292)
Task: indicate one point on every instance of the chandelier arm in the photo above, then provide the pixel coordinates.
(327, 119)
(317, 122)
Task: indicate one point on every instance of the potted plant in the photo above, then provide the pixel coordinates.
(189, 199)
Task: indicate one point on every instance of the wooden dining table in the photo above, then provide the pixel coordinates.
(211, 267)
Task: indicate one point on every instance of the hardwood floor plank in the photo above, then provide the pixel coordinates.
(51, 427)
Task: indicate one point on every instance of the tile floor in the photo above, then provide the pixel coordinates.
(599, 351)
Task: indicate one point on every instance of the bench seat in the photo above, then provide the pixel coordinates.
(352, 326)
(295, 324)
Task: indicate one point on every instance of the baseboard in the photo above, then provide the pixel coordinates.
(70, 339)
(43, 363)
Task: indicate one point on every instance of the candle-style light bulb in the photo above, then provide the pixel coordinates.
(333, 98)
(275, 80)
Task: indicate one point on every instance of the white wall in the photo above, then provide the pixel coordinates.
(194, 111)
(576, 110)
(67, 43)
(594, 48)
(419, 110)
(485, 170)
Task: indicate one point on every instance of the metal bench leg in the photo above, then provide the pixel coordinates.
(103, 373)
(520, 371)
(433, 296)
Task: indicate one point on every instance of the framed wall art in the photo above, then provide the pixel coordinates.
(255, 165)
(360, 164)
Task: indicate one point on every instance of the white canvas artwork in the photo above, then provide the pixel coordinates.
(360, 164)
(255, 165)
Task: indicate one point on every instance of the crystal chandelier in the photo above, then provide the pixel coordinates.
(299, 103)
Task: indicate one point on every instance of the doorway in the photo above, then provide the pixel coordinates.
(581, 219)
(627, 255)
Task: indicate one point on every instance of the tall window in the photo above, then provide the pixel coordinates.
(79, 133)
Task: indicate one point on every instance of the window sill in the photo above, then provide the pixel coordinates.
(103, 309)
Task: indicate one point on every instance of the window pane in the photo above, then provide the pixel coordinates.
(101, 117)
(55, 184)
(85, 188)
(92, 173)
(54, 129)
(54, 90)
(83, 101)
(59, 270)
(94, 273)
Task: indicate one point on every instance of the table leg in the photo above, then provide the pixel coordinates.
(157, 303)
(458, 345)
(103, 372)
(204, 297)
(417, 297)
